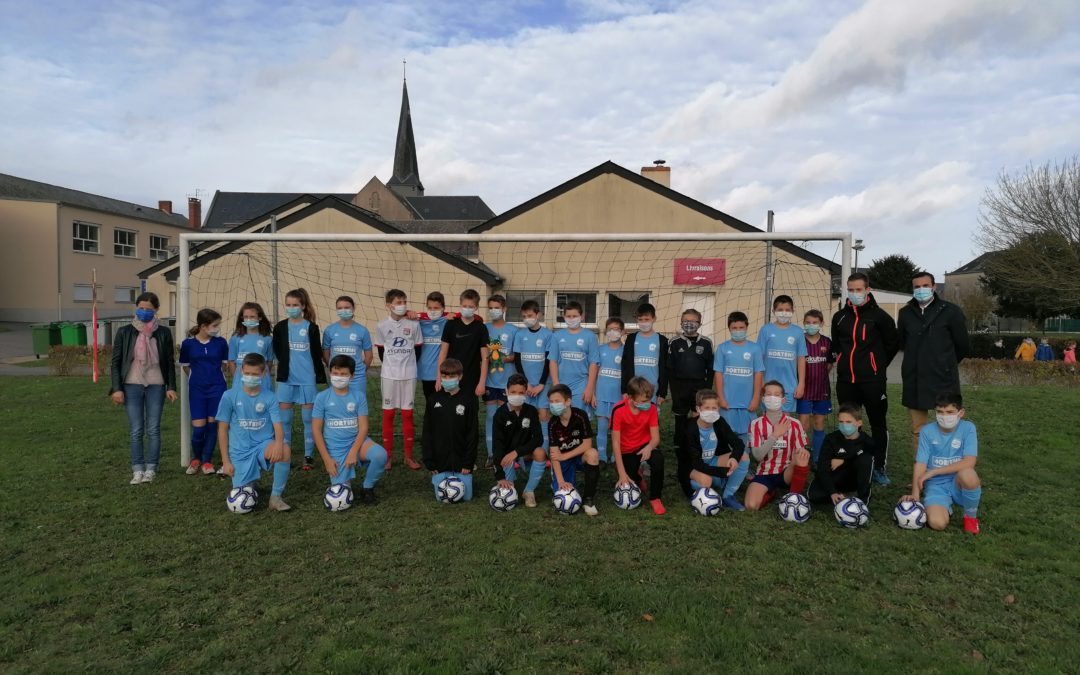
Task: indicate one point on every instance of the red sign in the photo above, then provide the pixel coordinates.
(700, 271)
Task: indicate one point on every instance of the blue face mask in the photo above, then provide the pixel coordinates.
(145, 315)
(738, 335)
(811, 328)
(251, 323)
(847, 429)
(344, 314)
(557, 408)
(251, 381)
(642, 406)
(856, 299)
(449, 383)
(923, 294)
(293, 312)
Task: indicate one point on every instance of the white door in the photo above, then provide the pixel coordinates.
(706, 304)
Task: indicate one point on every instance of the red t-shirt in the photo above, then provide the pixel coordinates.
(634, 429)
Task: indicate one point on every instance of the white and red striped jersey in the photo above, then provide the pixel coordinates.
(784, 448)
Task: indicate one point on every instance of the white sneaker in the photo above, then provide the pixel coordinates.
(148, 476)
(530, 500)
(278, 504)
(136, 477)
(590, 510)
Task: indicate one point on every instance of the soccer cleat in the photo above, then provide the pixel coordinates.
(208, 469)
(412, 464)
(657, 507)
(367, 497)
(971, 525)
(881, 479)
(278, 504)
(136, 477)
(148, 476)
(193, 467)
(530, 500)
(733, 504)
(590, 509)
(309, 463)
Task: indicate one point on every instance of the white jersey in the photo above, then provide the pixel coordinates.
(398, 338)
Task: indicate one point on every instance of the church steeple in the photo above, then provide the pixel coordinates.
(406, 179)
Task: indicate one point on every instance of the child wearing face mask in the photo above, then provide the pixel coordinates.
(783, 347)
(635, 440)
(690, 369)
(298, 347)
(501, 336)
(608, 382)
(340, 426)
(645, 354)
(399, 341)
(816, 402)
(346, 337)
(204, 356)
(846, 461)
(251, 335)
(778, 443)
(517, 440)
(716, 449)
(451, 430)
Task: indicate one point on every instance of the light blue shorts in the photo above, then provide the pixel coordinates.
(297, 394)
(944, 492)
(540, 401)
(249, 463)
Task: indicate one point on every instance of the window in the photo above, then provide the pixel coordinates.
(624, 304)
(125, 295)
(514, 300)
(84, 237)
(586, 298)
(83, 293)
(159, 247)
(124, 243)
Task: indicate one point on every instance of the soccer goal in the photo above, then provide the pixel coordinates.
(609, 275)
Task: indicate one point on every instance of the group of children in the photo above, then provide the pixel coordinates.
(542, 390)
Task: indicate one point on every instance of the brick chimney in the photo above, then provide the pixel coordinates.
(194, 209)
(658, 172)
(164, 206)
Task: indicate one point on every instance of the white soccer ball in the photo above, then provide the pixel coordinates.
(851, 512)
(910, 515)
(450, 490)
(503, 499)
(794, 508)
(338, 497)
(241, 500)
(705, 502)
(567, 502)
(627, 497)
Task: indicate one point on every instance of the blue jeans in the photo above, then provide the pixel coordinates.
(144, 403)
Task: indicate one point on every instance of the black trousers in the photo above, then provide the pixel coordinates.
(854, 475)
(874, 400)
(683, 392)
(429, 389)
(632, 465)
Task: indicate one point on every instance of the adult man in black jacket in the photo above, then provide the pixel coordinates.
(933, 336)
(864, 338)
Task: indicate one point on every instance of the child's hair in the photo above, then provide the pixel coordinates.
(783, 300)
(469, 294)
(395, 293)
(645, 309)
(947, 398)
(705, 395)
(255, 360)
(694, 312)
(345, 298)
(434, 296)
(451, 367)
(499, 299)
(773, 383)
(147, 296)
(639, 386)
(530, 306)
(264, 323)
(615, 321)
(735, 317)
(574, 305)
(205, 317)
(851, 409)
(343, 361)
(305, 300)
(561, 390)
(517, 380)
(815, 313)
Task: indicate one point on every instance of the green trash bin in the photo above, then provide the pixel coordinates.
(71, 333)
(44, 336)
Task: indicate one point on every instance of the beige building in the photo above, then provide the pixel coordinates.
(54, 239)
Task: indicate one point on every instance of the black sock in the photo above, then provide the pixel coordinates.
(592, 478)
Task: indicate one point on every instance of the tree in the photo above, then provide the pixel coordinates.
(977, 304)
(1033, 219)
(892, 273)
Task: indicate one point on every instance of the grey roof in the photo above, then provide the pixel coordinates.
(406, 168)
(449, 208)
(976, 265)
(14, 187)
(229, 209)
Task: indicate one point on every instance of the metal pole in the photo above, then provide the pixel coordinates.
(845, 265)
(485, 237)
(182, 300)
(274, 269)
(768, 272)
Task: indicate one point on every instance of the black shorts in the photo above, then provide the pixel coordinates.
(772, 481)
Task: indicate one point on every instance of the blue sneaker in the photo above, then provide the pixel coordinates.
(881, 479)
(732, 503)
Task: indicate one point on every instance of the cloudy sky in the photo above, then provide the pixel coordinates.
(885, 118)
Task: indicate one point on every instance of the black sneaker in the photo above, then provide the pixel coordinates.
(309, 463)
(367, 497)
(489, 464)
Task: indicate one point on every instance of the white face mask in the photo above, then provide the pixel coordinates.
(709, 416)
(434, 314)
(948, 421)
(468, 312)
(773, 403)
(784, 317)
(530, 322)
(399, 310)
(339, 381)
(213, 331)
(613, 335)
(515, 400)
(645, 326)
(573, 323)
(495, 314)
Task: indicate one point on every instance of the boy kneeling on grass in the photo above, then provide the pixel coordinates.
(570, 435)
(517, 439)
(340, 425)
(845, 462)
(451, 430)
(716, 451)
(250, 433)
(949, 446)
(778, 443)
(635, 437)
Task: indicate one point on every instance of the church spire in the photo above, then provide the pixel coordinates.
(406, 179)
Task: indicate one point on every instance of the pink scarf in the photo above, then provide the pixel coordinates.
(146, 350)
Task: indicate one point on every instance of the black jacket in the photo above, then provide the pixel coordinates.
(516, 434)
(934, 342)
(726, 441)
(865, 342)
(450, 431)
(282, 353)
(662, 367)
(123, 353)
(691, 359)
(837, 446)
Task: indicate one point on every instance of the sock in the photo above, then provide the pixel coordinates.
(816, 443)
(286, 425)
(602, 426)
(970, 500)
(536, 474)
(489, 422)
(210, 443)
(769, 496)
(736, 478)
(467, 480)
(309, 438)
(798, 478)
(198, 440)
(592, 477)
(388, 431)
(510, 473)
(376, 455)
(544, 431)
(407, 431)
(281, 477)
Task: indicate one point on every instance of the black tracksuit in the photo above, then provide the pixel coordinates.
(855, 474)
(690, 369)
(515, 433)
(628, 364)
(865, 341)
(726, 441)
(280, 340)
(450, 431)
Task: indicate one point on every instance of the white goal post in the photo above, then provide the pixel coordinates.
(602, 242)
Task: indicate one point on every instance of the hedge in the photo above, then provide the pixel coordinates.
(1018, 373)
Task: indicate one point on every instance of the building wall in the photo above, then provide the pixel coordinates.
(28, 260)
(378, 198)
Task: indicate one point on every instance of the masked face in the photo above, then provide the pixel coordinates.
(773, 403)
(811, 328)
(345, 314)
(468, 312)
(340, 381)
(434, 314)
(557, 409)
(709, 416)
(573, 322)
(293, 312)
(783, 317)
(613, 335)
(530, 321)
(251, 381)
(145, 315)
(495, 314)
(922, 295)
(399, 310)
(948, 420)
(251, 323)
(856, 298)
(645, 325)
(449, 383)
(690, 328)
(515, 400)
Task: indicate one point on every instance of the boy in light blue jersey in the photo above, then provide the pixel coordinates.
(531, 353)
(252, 334)
(250, 433)
(783, 346)
(340, 426)
(645, 355)
(739, 375)
(944, 472)
(608, 382)
(500, 359)
(432, 324)
(575, 358)
(349, 338)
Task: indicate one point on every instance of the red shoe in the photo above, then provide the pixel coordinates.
(657, 507)
(412, 464)
(971, 525)
(389, 461)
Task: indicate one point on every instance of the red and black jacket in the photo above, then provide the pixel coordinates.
(865, 341)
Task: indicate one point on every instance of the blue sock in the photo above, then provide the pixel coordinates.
(376, 456)
(970, 501)
(510, 473)
(286, 425)
(536, 474)
(602, 426)
(489, 422)
(281, 477)
(210, 443)
(198, 440)
(544, 431)
(816, 443)
(309, 439)
(736, 478)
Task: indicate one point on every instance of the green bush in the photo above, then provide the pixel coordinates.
(1010, 372)
(983, 347)
(64, 360)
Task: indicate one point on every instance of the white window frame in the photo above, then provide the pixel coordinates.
(88, 288)
(160, 253)
(129, 299)
(514, 309)
(590, 323)
(631, 324)
(93, 227)
(134, 245)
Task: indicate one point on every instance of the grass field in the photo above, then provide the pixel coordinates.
(98, 575)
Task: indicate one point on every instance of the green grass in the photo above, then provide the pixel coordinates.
(97, 575)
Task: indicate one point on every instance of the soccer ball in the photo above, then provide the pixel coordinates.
(627, 497)
(450, 490)
(794, 508)
(851, 512)
(503, 499)
(705, 502)
(338, 497)
(909, 515)
(567, 502)
(241, 500)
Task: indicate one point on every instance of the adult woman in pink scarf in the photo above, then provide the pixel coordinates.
(143, 376)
